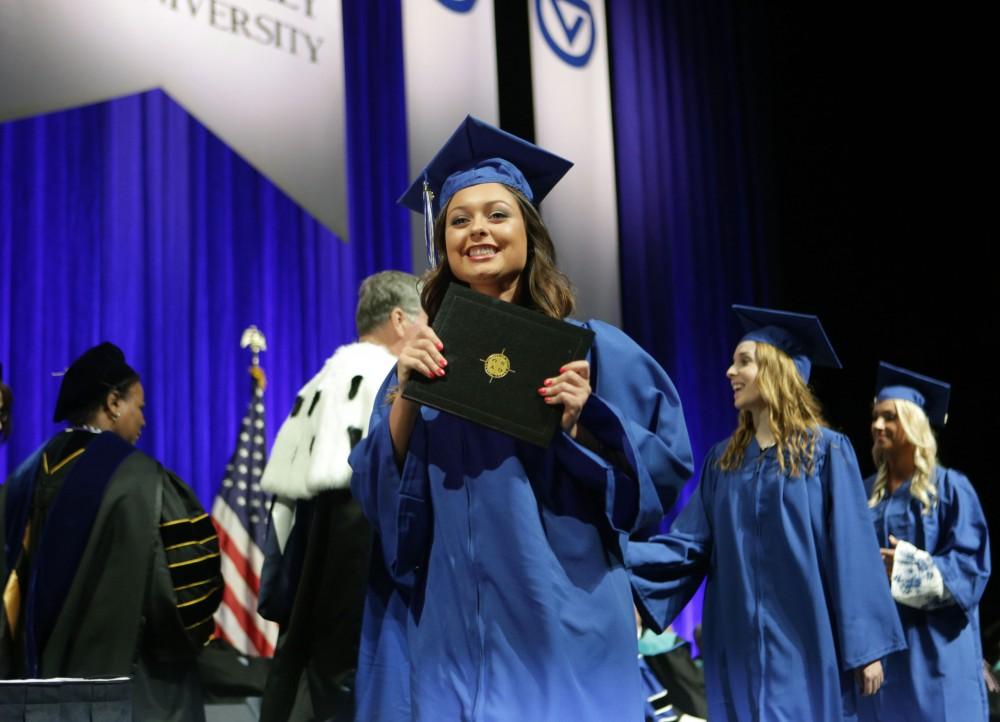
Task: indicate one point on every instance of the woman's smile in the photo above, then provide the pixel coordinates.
(482, 252)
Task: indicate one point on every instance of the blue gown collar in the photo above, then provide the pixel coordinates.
(754, 450)
(902, 489)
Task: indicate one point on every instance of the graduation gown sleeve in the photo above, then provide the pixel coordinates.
(634, 413)
(667, 570)
(187, 584)
(866, 625)
(651, 420)
(396, 501)
(626, 487)
(183, 591)
(963, 551)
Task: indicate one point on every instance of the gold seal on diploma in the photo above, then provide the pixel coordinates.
(497, 365)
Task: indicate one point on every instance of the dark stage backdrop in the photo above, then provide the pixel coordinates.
(881, 228)
(128, 221)
(815, 161)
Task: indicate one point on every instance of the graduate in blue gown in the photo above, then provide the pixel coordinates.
(937, 553)
(508, 557)
(792, 626)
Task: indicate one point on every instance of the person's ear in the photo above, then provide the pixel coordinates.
(399, 319)
(112, 405)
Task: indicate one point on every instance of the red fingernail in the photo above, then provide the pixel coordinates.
(548, 382)
(430, 375)
(543, 391)
(440, 372)
(442, 363)
(562, 369)
(439, 345)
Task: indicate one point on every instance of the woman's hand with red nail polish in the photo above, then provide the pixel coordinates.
(571, 388)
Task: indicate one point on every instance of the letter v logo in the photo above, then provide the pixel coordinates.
(568, 28)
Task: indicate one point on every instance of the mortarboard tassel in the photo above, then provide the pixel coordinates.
(429, 224)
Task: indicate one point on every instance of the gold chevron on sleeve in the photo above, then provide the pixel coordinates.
(190, 543)
(192, 561)
(192, 520)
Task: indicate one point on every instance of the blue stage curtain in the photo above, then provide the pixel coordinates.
(377, 153)
(128, 221)
(690, 196)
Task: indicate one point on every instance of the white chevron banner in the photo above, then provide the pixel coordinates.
(266, 76)
(572, 99)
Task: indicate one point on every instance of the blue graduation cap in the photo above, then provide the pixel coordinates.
(478, 152)
(929, 394)
(800, 335)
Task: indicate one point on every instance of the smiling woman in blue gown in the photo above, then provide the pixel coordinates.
(937, 553)
(780, 528)
(508, 557)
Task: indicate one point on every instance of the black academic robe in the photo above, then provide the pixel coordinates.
(117, 575)
(322, 630)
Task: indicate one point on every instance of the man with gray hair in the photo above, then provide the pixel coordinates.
(331, 411)
(313, 581)
(380, 297)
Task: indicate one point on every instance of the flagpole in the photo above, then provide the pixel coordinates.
(240, 516)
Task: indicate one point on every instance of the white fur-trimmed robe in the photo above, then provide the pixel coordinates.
(330, 415)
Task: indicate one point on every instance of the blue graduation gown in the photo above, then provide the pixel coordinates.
(508, 557)
(382, 680)
(788, 612)
(940, 676)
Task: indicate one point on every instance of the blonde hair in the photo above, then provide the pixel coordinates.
(917, 429)
(795, 417)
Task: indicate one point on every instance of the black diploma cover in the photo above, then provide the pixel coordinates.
(498, 356)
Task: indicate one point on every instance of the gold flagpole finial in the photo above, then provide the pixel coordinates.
(254, 340)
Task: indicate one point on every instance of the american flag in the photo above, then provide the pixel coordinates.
(241, 517)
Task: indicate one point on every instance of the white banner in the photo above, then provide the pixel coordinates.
(451, 72)
(266, 76)
(572, 98)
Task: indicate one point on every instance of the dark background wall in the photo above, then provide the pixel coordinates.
(876, 138)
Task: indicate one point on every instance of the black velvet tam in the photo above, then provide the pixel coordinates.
(98, 371)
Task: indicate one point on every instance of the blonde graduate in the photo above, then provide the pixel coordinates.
(935, 548)
(904, 447)
(779, 528)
